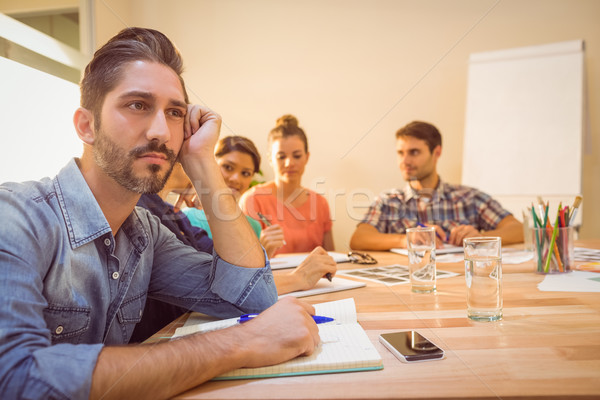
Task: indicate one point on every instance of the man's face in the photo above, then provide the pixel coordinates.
(140, 129)
(415, 160)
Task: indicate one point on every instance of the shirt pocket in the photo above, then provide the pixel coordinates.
(67, 324)
(132, 309)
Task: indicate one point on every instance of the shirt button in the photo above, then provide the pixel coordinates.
(107, 242)
(59, 330)
(115, 275)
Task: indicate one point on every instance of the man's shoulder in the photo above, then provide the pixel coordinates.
(25, 192)
(394, 194)
(31, 215)
(458, 191)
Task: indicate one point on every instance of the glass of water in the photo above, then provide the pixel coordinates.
(421, 258)
(483, 272)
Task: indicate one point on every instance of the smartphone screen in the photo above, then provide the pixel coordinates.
(411, 346)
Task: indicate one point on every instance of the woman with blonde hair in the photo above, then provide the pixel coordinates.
(295, 219)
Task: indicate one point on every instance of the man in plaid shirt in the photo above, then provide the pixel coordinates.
(456, 211)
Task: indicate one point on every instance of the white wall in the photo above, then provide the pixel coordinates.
(37, 134)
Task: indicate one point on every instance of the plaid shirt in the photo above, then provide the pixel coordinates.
(447, 206)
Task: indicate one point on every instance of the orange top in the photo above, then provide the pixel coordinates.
(303, 227)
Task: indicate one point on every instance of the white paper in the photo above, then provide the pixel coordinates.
(324, 286)
(574, 281)
(281, 262)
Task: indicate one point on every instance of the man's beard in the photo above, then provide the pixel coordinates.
(118, 164)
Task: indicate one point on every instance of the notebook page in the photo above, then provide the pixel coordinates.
(342, 347)
(343, 311)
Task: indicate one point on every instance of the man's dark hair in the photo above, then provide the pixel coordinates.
(423, 131)
(105, 70)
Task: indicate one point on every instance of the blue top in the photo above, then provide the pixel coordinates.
(198, 219)
(68, 286)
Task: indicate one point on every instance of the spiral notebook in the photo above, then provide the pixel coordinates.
(344, 346)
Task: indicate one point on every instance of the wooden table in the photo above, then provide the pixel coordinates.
(546, 346)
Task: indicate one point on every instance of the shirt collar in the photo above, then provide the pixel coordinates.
(438, 193)
(410, 193)
(83, 217)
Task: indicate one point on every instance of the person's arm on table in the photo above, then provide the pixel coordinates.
(222, 212)
(367, 237)
(307, 274)
(509, 229)
(282, 332)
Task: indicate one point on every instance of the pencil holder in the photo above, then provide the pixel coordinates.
(553, 249)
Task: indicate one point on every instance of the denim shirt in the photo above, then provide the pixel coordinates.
(68, 286)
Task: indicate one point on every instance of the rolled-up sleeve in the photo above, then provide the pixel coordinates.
(250, 289)
(207, 283)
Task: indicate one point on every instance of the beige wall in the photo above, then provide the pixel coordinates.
(354, 71)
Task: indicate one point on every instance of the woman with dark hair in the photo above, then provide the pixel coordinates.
(239, 161)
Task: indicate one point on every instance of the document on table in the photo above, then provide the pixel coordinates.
(281, 262)
(344, 346)
(324, 286)
(454, 254)
(390, 274)
(574, 281)
(585, 254)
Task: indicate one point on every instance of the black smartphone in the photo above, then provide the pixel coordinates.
(411, 346)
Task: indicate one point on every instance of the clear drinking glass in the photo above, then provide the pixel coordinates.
(421, 258)
(483, 273)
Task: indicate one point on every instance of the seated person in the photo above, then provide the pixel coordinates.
(235, 167)
(295, 219)
(456, 211)
(78, 258)
(239, 161)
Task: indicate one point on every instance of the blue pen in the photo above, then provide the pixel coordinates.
(318, 319)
